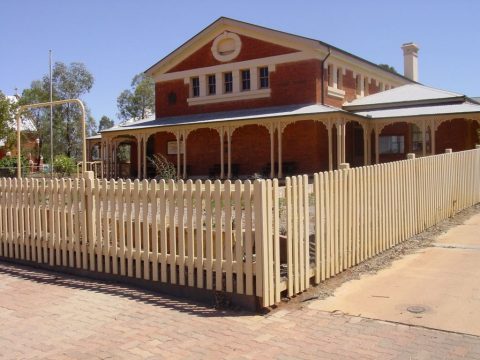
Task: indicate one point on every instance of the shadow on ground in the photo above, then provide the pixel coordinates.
(119, 290)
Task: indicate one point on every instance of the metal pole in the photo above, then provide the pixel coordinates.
(51, 114)
(19, 156)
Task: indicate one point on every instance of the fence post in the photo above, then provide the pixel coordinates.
(410, 156)
(261, 242)
(477, 146)
(89, 220)
(344, 166)
(448, 151)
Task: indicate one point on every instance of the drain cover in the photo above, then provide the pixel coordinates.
(416, 309)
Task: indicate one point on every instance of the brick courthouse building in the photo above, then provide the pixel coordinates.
(238, 99)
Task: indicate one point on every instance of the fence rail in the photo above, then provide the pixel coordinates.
(256, 239)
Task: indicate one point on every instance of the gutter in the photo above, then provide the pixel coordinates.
(323, 74)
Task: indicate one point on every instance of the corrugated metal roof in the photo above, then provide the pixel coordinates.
(98, 136)
(465, 108)
(234, 115)
(403, 94)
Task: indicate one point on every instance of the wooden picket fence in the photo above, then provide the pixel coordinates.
(348, 216)
(255, 239)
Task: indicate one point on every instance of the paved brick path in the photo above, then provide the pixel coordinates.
(47, 316)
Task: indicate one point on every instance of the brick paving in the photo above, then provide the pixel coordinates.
(45, 315)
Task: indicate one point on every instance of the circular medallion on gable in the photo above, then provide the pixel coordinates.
(226, 46)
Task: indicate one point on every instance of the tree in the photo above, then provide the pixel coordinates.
(6, 111)
(138, 102)
(69, 82)
(39, 117)
(105, 123)
(388, 68)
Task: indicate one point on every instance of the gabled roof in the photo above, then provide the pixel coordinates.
(292, 40)
(405, 95)
(223, 116)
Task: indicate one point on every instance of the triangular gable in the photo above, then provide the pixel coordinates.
(262, 42)
(251, 48)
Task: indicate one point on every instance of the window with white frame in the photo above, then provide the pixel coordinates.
(392, 144)
(195, 85)
(330, 75)
(212, 85)
(339, 78)
(263, 79)
(358, 85)
(227, 82)
(245, 80)
(365, 86)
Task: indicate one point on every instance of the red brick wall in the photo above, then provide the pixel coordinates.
(350, 88)
(290, 83)
(251, 49)
(251, 149)
(458, 135)
(134, 159)
(161, 140)
(203, 151)
(306, 144)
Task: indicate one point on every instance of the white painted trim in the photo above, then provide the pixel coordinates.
(224, 36)
(268, 61)
(334, 92)
(243, 95)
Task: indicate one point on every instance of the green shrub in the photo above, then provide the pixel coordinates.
(64, 165)
(164, 169)
(8, 166)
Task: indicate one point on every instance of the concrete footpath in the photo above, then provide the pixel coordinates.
(44, 315)
(436, 287)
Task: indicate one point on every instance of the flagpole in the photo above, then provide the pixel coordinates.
(51, 114)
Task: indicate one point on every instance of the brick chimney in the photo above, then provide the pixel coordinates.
(410, 61)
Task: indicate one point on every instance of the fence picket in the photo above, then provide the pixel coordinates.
(209, 244)
(218, 237)
(227, 191)
(172, 258)
(115, 205)
(239, 239)
(318, 228)
(154, 234)
(199, 232)
(190, 235)
(137, 237)
(146, 220)
(276, 242)
(247, 198)
(181, 197)
(162, 199)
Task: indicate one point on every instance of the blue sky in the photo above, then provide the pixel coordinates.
(118, 39)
